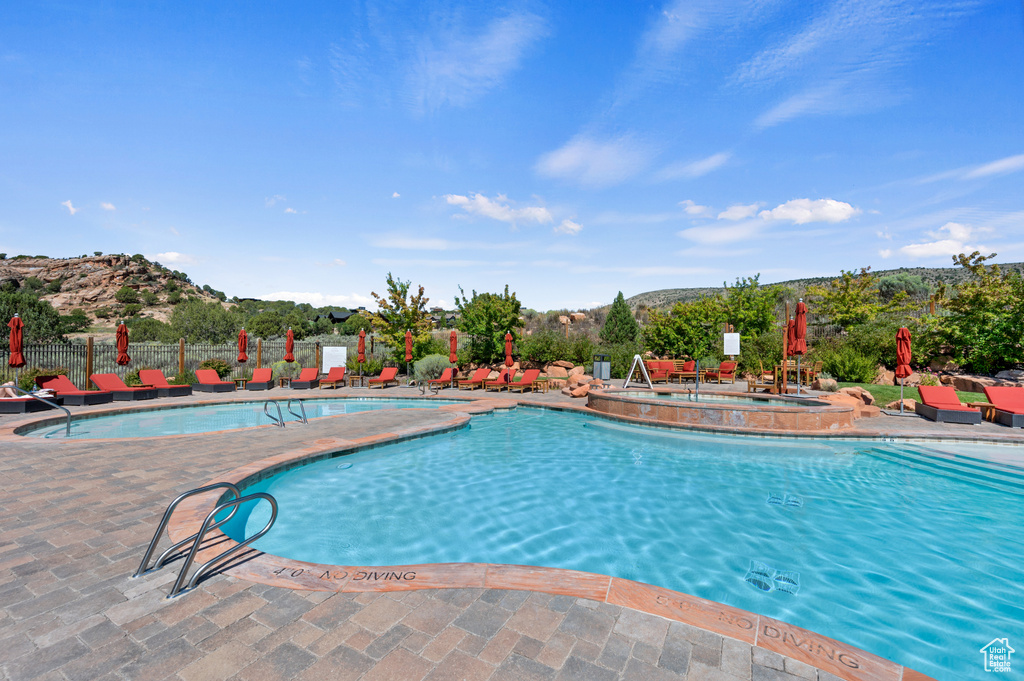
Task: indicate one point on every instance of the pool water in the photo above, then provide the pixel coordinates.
(721, 399)
(918, 566)
(211, 418)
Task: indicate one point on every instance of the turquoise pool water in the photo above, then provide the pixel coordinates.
(211, 418)
(920, 566)
(721, 399)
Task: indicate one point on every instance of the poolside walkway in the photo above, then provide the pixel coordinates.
(76, 517)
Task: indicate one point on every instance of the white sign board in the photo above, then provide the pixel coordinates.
(732, 343)
(333, 357)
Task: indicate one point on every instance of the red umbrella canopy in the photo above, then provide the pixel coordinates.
(791, 337)
(17, 334)
(362, 346)
(903, 353)
(799, 346)
(289, 346)
(243, 343)
(408, 346)
(122, 345)
(453, 347)
(508, 349)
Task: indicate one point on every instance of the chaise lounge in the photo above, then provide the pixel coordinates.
(475, 381)
(308, 378)
(1009, 404)
(209, 382)
(502, 381)
(387, 376)
(334, 376)
(156, 379)
(528, 381)
(940, 403)
(63, 387)
(444, 380)
(122, 393)
(262, 379)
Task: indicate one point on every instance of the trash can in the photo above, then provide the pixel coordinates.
(603, 367)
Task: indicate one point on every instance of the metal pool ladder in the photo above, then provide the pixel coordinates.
(67, 413)
(279, 419)
(197, 539)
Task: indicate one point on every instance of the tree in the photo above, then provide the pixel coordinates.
(42, 322)
(76, 322)
(265, 324)
(621, 326)
(199, 322)
(487, 317)
(126, 295)
(914, 286)
(352, 325)
(854, 299)
(148, 329)
(398, 312)
(297, 323)
(689, 329)
(750, 307)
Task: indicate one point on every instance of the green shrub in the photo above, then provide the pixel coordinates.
(764, 350)
(132, 309)
(174, 297)
(371, 367)
(848, 364)
(621, 357)
(543, 347)
(54, 286)
(148, 329)
(103, 312)
(185, 377)
(132, 377)
(126, 295)
(430, 367)
(76, 322)
(150, 298)
(27, 377)
(286, 369)
(220, 366)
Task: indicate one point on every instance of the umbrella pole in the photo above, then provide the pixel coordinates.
(798, 375)
(901, 396)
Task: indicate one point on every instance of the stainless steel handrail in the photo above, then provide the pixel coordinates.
(210, 564)
(67, 429)
(279, 421)
(144, 566)
(302, 407)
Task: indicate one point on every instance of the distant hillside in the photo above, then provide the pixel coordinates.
(931, 275)
(91, 284)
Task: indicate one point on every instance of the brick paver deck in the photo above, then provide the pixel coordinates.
(77, 515)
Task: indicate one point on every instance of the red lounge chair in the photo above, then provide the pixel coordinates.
(209, 382)
(386, 376)
(63, 387)
(940, 403)
(444, 380)
(686, 372)
(502, 381)
(725, 370)
(335, 376)
(1009, 401)
(308, 378)
(262, 379)
(475, 381)
(122, 393)
(527, 381)
(155, 378)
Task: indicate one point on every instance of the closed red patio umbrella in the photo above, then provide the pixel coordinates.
(122, 345)
(902, 358)
(408, 351)
(799, 347)
(453, 348)
(289, 346)
(16, 360)
(508, 354)
(243, 343)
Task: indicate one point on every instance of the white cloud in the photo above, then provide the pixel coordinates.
(71, 209)
(802, 211)
(291, 211)
(950, 239)
(396, 195)
(739, 212)
(693, 208)
(885, 252)
(723, 234)
(173, 231)
(337, 262)
(499, 209)
(815, 100)
(174, 258)
(317, 299)
(412, 243)
(569, 227)
(271, 200)
(107, 206)
(695, 168)
(1010, 164)
(595, 163)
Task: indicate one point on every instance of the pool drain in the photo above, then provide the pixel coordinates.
(764, 577)
(790, 500)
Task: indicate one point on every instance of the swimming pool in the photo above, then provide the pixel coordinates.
(866, 543)
(212, 418)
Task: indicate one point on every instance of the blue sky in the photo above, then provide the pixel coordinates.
(304, 150)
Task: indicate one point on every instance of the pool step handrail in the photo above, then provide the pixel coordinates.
(144, 565)
(302, 407)
(67, 413)
(638, 361)
(208, 566)
(279, 419)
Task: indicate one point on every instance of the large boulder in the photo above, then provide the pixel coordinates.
(908, 405)
(828, 385)
(860, 393)
(576, 370)
(973, 384)
(581, 390)
(1015, 375)
(554, 371)
(942, 363)
(564, 364)
(556, 383)
(884, 377)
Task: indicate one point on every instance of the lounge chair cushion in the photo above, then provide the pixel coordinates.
(942, 397)
(1006, 398)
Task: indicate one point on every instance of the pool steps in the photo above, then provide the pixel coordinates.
(1006, 477)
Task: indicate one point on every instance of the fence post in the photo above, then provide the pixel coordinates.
(88, 362)
(318, 355)
(259, 353)
(181, 356)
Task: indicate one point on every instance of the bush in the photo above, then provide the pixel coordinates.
(621, 357)
(174, 297)
(764, 350)
(103, 312)
(371, 367)
(150, 298)
(126, 295)
(286, 369)
(148, 329)
(848, 364)
(543, 347)
(132, 377)
(76, 322)
(220, 366)
(27, 377)
(430, 367)
(132, 309)
(185, 377)
(54, 286)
